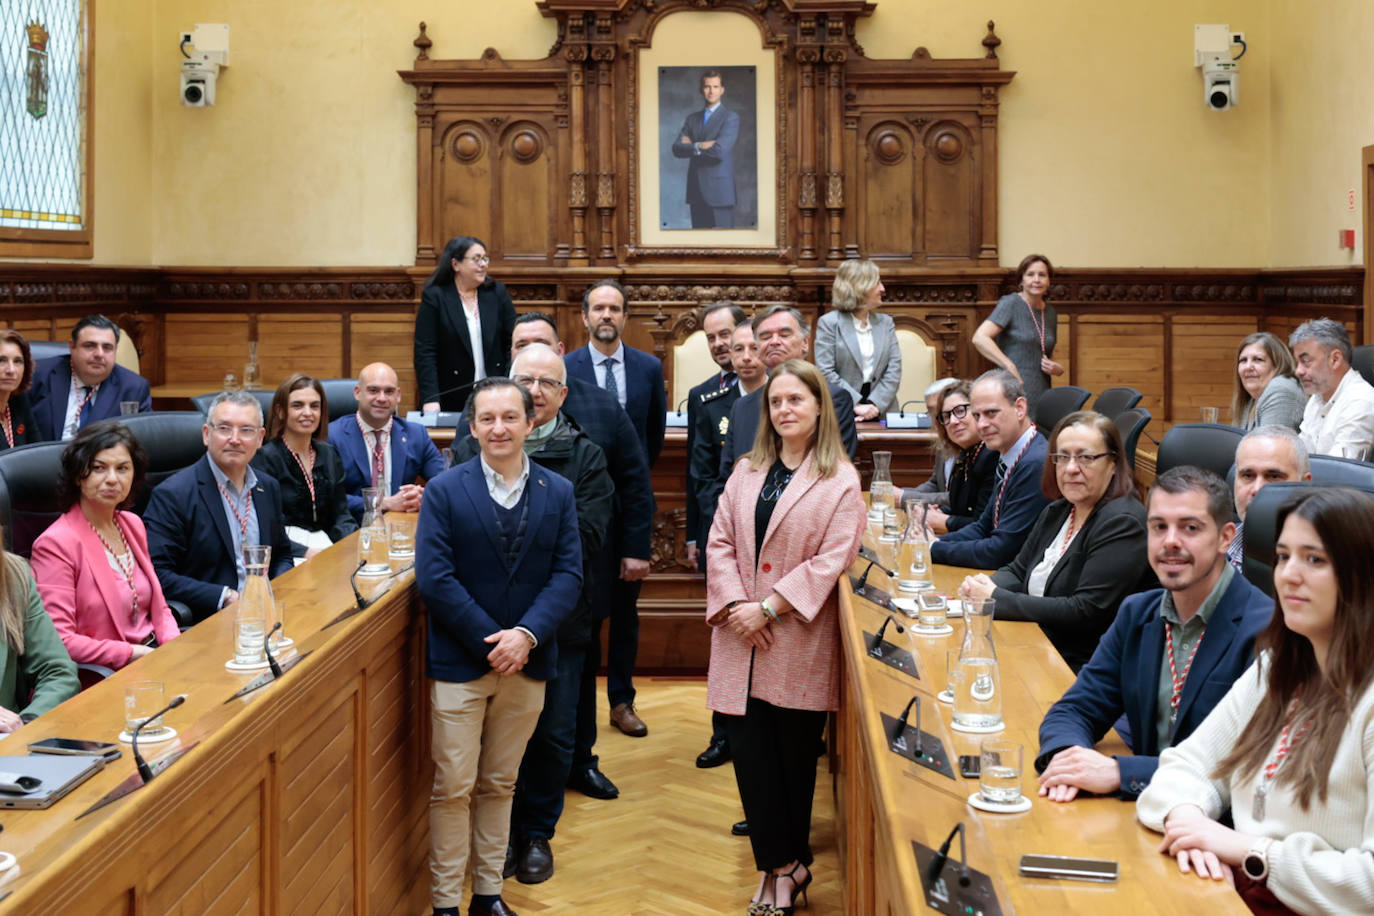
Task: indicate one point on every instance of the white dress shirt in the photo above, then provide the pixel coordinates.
(864, 333)
(369, 441)
(74, 398)
(1347, 420)
(506, 493)
(599, 362)
(474, 317)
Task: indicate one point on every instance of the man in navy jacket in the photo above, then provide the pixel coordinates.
(61, 408)
(998, 403)
(499, 564)
(1170, 655)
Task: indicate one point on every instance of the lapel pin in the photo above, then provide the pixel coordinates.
(541, 481)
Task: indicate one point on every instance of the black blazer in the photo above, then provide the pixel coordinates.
(1106, 561)
(970, 485)
(329, 513)
(443, 347)
(22, 423)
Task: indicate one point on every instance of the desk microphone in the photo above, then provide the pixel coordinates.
(899, 737)
(875, 560)
(360, 603)
(901, 408)
(267, 650)
(878, 640)
(937, 864)
(145, 772)
(680, 403)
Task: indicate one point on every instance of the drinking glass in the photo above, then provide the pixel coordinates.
(930, 613)
(250, 626)
(400, 533)
(141, 700)
(951, 672)
(1210, 414)
(999, 780)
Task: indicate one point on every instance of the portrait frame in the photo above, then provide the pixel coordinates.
(734, 39)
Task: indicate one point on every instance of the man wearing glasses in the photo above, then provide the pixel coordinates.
(200, 518)
(382, 450)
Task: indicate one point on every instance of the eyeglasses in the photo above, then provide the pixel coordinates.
(480, 260)
(1062, 460)
(225, 431)
(955, 413)
(551, 385)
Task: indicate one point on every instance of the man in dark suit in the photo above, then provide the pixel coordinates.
(72, 391)
(200, 518)
(635, 378)
(1153, 664)
(382, 450)
(781, 334)
(605, 423)
(708, 139)
(998, 404)
(718, 322)
(499, 565)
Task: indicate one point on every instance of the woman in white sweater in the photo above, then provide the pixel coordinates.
(1290, 749)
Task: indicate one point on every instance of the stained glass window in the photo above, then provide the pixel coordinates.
(43, 117)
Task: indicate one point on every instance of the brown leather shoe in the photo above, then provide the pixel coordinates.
(623, 717)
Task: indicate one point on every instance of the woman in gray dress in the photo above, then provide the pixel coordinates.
(1021, 332)
(856, 345)
(1266, 391)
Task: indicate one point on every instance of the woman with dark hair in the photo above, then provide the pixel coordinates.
(969, 467)
(1021, 332)
(773, 608)
(1287, 752)
(16, 372)
(1266, 391)
(310, 470)
(31, 652)
(463, 328)
(92, 564)
(1087, 550)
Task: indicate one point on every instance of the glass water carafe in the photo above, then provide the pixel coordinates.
(977, 682)
(880, 489)
(913, 554)
(256, 601)
(372, 546)
(250, 371)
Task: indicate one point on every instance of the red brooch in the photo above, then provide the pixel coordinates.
(20, 430)
(768, 567)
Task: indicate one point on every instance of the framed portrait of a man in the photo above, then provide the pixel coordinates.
(708, 147)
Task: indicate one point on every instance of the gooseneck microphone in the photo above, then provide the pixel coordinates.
(267, 650)
(360, 603)
(937, 864)
(145, 771)
(873, 560)
(877, 649)
(899, 735)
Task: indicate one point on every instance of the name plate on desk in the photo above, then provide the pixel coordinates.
(677, 418)
(908, 421)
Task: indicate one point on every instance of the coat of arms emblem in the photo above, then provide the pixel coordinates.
(36, 70)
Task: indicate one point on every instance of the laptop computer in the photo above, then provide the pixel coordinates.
(56, 777)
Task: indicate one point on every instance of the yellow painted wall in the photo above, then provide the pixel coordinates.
(1108, 156)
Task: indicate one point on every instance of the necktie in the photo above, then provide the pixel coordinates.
(705, 116)
(727, 379)
(611, 387)
(378, 458)
(1001, 473)
(84, 395)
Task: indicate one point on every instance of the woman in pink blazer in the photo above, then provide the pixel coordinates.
(788, 525)
(92, 564)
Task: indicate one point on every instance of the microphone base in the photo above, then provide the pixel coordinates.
(892, 655)
(932, 755)
(946, 895)
(134, 781)
(871, 593)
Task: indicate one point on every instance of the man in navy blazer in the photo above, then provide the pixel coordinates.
(998, 403)
(390, 453)
(708, 139)
(1170, 655)
(499, 564)
(61, 407)
(200, 518)
(635, 379)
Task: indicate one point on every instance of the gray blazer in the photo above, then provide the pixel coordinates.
(837, 356)
(1281, 403)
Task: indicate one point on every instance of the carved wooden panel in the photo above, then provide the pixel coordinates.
(219, 865)
(318, 780)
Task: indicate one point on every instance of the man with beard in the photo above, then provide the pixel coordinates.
(718, 323)
(1170, 655)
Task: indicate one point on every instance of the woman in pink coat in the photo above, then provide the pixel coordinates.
(788, 525)
(92, 564)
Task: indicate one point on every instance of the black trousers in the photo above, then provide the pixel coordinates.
(774, 750)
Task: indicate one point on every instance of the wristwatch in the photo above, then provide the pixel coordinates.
(1256, 861)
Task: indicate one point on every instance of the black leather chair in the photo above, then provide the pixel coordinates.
(339, 393)
(172, 440)
(1130, 424)
(202, 402)
(1333, 471)
(1057, 403)
(47, 349)
(1362, 359)
(28, 492)
(1204, 445)
(1261, 530)
(1112, 401)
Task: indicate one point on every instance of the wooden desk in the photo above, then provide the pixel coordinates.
(885, 801)
(308, 795)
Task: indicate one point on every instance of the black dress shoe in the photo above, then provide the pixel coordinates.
(536, 862)
(716, 753)
(592, 782)
(498, 908)
(740, 828)
(508, 870)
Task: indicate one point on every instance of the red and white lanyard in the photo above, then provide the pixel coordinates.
(308, 472)
(1287, 741)
(1178, 680)
(125, 561)
(1039, 325)
(1002, 490)
(243, 518)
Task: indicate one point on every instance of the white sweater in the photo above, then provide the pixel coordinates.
(1322, 859)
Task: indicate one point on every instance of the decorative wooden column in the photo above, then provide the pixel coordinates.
(576, 56)
(806, 134)
(987, 116)
(834, 173)
(424, 151)
(603, 53)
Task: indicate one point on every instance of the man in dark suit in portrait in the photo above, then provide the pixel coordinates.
(200, 518)
(635, 378)
(72, 391)
(382, 450)
(708, 139)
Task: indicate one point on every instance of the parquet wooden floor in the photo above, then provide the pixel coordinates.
(664, 846)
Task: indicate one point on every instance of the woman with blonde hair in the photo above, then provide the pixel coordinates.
(856, 345)
(1266, 392)
(36, 673)
(788, 525)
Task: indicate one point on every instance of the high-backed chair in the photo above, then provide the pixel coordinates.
(1204, 445)
(1131, 423)
(339, 393)
(1112, 401)
(1057, 403)
(1362, 359)
(1334, 471)
(172, 440)
(202, 402)
(47, 349)
(28, 492)
(1261, 528)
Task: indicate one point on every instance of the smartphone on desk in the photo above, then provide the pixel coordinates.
(970, 766)
(76, 747)
(1034, 866)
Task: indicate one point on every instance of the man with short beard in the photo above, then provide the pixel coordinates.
(718, 323)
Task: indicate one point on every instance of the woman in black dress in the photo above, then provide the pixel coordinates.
(16, 372)
(463, 328)
(309, 469)
(972, 465)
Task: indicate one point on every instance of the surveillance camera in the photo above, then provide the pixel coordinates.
(198, 82)
(1220, 83)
